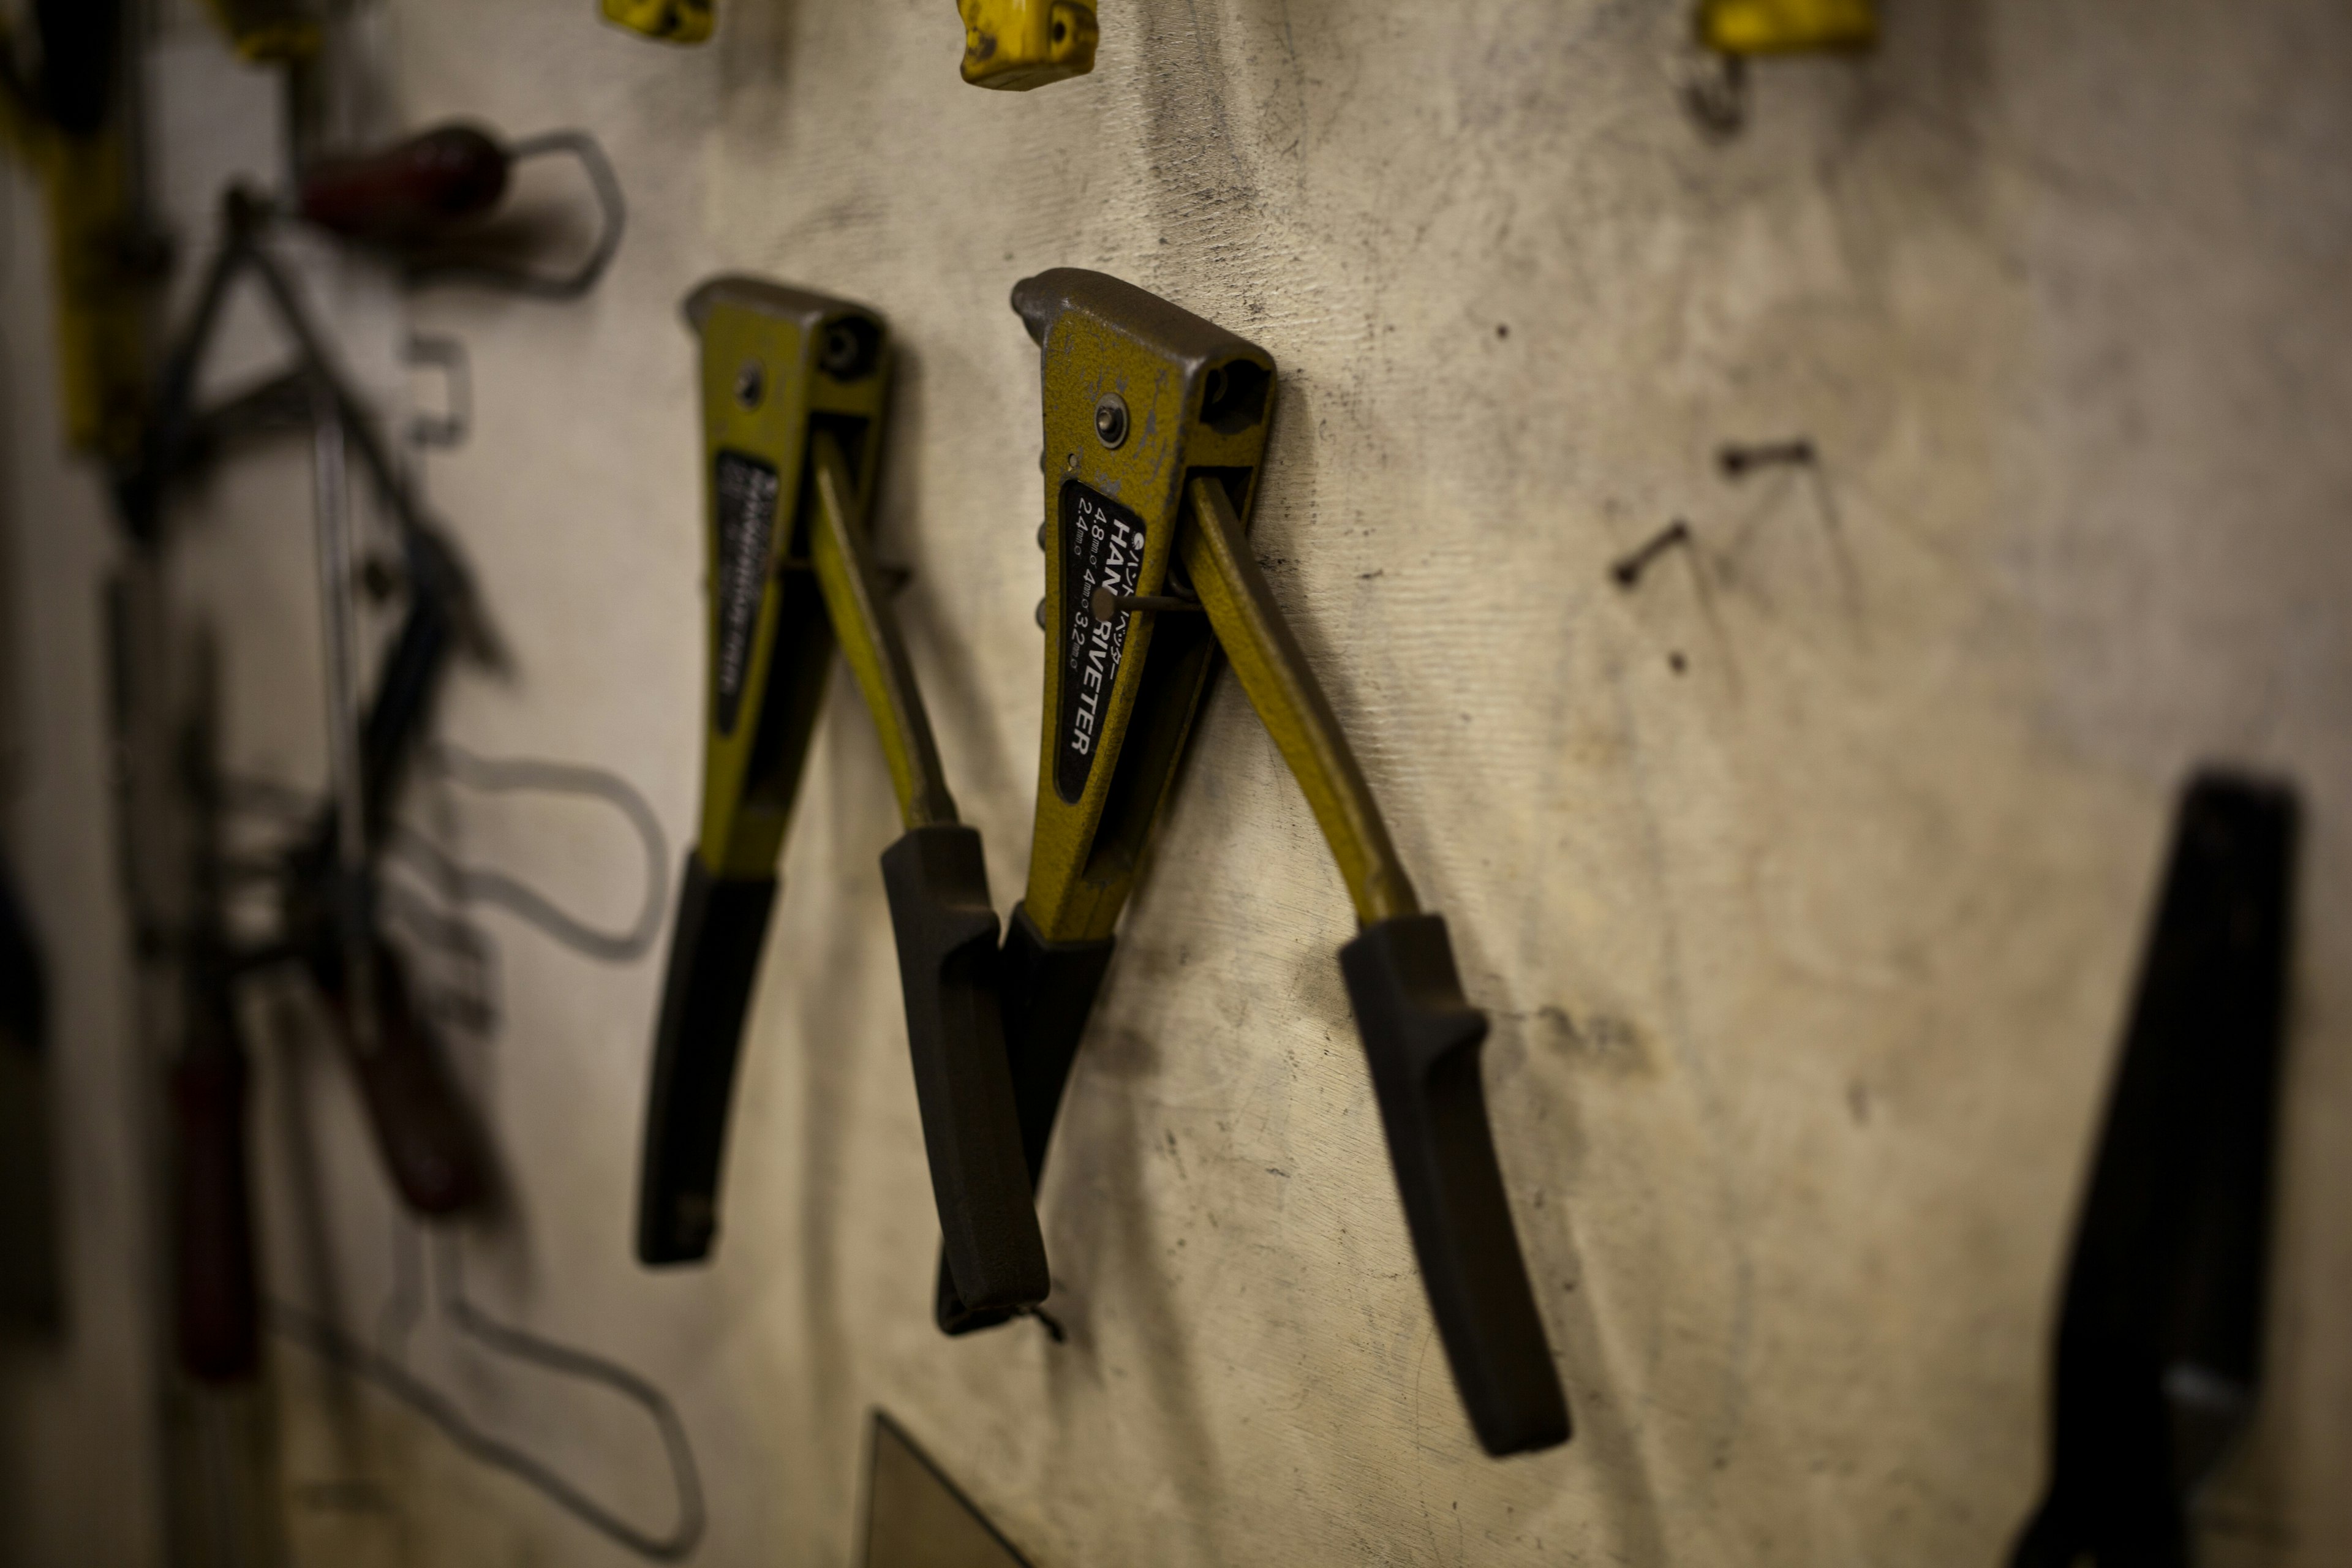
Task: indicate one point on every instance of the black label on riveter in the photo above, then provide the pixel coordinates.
(743, 510)
(1102, 546)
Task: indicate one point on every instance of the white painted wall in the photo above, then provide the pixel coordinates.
(1807, 962)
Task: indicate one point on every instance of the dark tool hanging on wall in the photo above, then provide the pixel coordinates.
(429, 1143)
(1155, 428)
(326, 881)
(329, 913)
(794, 390)
(2160, 1340)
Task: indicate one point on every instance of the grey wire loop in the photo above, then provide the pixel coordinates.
(337, 1349)
(507, 775)
(606, 185)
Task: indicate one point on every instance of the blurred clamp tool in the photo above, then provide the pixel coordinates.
(428, 200)
(794, 390)
(1786, 26)
(1017, 44)
(2160, 1340)
(1155, 428)
(671, 21)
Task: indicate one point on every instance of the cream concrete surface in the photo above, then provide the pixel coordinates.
(1804, 883)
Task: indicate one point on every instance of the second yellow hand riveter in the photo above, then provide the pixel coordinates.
(794, 395)
(1155, 428)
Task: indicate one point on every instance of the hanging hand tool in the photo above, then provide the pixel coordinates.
(2159, 1341)
(671, 21)
(427, 1140)
(1155, 429)
(794, 389)
(421, 197)
(1017, 44)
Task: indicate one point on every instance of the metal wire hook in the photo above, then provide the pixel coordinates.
(488, 273)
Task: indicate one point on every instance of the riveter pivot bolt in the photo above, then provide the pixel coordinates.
(1110, 421)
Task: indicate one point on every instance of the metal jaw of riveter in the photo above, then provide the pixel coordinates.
(1155, 430)
(794, 391)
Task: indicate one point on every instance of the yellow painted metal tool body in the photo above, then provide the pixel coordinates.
(1017, 44)
(765, 393)
(671, 21)
(1194, 400)
(1786, 27)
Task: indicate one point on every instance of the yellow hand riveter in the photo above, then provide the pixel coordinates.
(794, 389)
(1155, 434)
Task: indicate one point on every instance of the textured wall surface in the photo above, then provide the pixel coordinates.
(1803, 883)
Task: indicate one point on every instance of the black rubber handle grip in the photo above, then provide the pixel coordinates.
(946, 927)
(428, 1141)
(714, 956)
(1046, 991)
(215, 1301)
(1422, 1038)
(411, 190)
